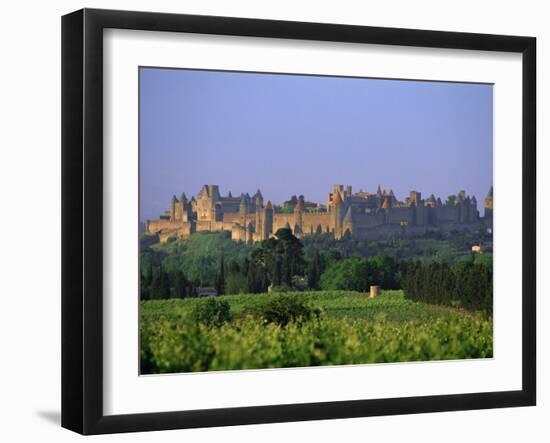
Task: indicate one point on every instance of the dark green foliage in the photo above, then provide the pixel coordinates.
(288, 263)
(314, 271)
(145, 280)
(236, 283)
(256, 276)
(220, 278)
(281, 257)
(164, 284)
(358, 274)
(465, 285)
(199, 257)
(181, 285)
(283, 309)
(484, 259)
(435, 244)
(155, 288)
(211, 312)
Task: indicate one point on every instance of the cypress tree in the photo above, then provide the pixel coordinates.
(180, 285)
(314, 273)
(276, 272)
(286, 276)
(220, 278)
(143, 286)
(164, 284)
(155, 289)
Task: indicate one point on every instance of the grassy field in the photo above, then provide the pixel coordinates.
(330, 328)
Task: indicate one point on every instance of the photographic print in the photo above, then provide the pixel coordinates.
(299, 220)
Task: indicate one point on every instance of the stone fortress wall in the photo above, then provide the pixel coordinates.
(361, 215)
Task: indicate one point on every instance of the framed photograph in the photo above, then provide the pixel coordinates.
(269, 221)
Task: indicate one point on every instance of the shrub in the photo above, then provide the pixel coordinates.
(211, 312)
(283, 309)
(357, 274)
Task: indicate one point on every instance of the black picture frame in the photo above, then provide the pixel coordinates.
(82, 218)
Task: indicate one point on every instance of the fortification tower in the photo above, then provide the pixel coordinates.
(204, 204)
(258, 222)
(473, 209)
(243, 210)
(338, 189)
(173, 208)
(178, 209)
(298, 210)
(258, 200)
(348, 222)
(268, 220)
(337, 215)
(386, 205)
(187, 208)
(249, 233)
(488, 205)
(415, 198)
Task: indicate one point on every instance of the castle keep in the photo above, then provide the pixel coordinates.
(362, 215)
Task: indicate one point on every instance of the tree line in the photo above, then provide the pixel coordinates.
(468, 286)
(280, 264)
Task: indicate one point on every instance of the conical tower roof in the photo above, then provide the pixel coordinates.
(203, 192)
(349, 216)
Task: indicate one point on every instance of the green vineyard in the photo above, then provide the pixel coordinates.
(311, 328)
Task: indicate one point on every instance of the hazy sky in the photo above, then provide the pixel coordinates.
(288, 134)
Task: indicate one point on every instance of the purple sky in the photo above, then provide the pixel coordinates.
(289, 134)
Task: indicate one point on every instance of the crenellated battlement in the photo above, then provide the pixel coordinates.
(362, 214)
